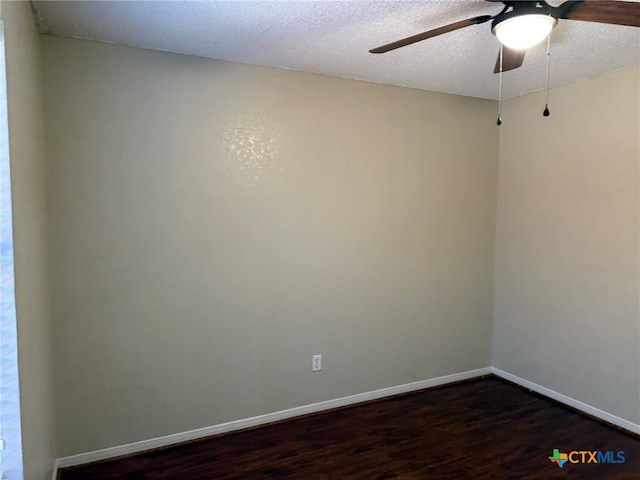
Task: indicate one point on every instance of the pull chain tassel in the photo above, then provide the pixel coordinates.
(546, 111)
(499, 121)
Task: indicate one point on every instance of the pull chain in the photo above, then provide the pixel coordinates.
(546, 111)
(499, 122)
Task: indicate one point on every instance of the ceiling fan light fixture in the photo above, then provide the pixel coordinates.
(520, 32)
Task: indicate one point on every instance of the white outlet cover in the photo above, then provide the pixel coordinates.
(316, 363)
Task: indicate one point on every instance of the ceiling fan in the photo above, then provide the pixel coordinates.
(523, 24)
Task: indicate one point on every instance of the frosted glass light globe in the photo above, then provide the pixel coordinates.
(524, 31)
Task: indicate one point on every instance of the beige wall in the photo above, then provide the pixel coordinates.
(567, 286)
(26, 141)
(216, 224)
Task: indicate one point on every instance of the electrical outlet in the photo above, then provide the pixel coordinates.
(316, 363)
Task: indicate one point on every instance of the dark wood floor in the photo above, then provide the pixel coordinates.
(481, 429)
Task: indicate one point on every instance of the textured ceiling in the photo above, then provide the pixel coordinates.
(332, 37)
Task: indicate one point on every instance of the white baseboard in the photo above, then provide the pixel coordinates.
(167, 440)
(578, 405)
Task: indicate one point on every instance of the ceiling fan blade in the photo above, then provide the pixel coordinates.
(511, 59)
(431, 33)
(603, 11)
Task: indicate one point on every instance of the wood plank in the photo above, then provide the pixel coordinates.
(480, 429)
